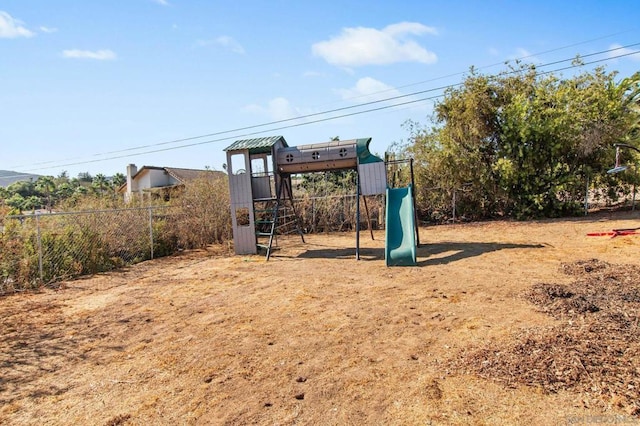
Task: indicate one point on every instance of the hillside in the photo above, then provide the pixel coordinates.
(7, 177)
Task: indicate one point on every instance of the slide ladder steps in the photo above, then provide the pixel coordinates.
(266, 217)
(275, 216)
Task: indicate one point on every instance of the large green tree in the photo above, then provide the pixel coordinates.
(522, 143)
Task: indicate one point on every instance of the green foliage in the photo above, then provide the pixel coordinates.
(522, 144)
(23, 188)
(60, 192)
(118, 180)
(85, 177)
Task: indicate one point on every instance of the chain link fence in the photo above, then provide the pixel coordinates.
(47, 248)
(451, 205)
(44, 249)
(338, 213)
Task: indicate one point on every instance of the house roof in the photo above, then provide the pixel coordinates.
(181, 175)
(184, 175)
(256, 145)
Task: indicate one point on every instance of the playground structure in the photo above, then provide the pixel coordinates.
(262, 202)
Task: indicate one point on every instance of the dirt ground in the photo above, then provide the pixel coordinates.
(310, 337)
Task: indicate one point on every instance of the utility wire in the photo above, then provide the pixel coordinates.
(503, 62)
(319, 120)
(364, 104)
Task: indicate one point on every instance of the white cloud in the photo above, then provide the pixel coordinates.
(100, 55)
(227, 42)
(369, 46)
(48, 30)
(368, 89)
(12, 28)
(276, 109)
(616, 50)
(161, 2)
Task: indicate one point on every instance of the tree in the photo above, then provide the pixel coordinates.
(62, 177)
(100, 183)
(64, 190)
(85, 177)
(118, 180)
(16, 202)
(24, 188)
(47, 187)
(80, 190)
(523, 143)
(32, 203)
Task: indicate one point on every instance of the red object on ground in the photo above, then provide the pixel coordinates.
(614, 233)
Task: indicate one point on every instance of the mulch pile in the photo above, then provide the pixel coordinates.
(596, 348)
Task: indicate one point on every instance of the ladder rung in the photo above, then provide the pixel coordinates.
(263, 234)
(282, 225)
(262, 200)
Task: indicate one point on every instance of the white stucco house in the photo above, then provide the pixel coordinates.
(149, 181)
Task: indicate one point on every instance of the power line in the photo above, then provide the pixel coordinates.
(249, 134)
(503, 62)
(303, 117)
(324, 119)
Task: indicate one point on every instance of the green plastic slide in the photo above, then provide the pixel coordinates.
(400, 241)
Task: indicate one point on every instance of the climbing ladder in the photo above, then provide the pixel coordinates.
(275, 216)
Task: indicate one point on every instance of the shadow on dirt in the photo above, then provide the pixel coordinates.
(427, 254)
(447, 252)
(38, 339)
(30, 348)
(343, 253)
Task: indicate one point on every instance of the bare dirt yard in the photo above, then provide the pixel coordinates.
(499, 323)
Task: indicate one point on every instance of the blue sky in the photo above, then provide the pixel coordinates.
(91, 86)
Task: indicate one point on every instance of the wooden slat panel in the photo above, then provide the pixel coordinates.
(373, 178)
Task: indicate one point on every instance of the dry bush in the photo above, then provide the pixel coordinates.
(202, 213)
(338, 213)
(89, 202)
(98, 238)
(18, 264)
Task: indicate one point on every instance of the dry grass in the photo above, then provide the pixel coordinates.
(315, 337)
(594, 351)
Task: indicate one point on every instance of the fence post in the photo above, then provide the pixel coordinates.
(313, 215)
(39, 237)
(586, 199)
(151, 230)
(453, 205)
